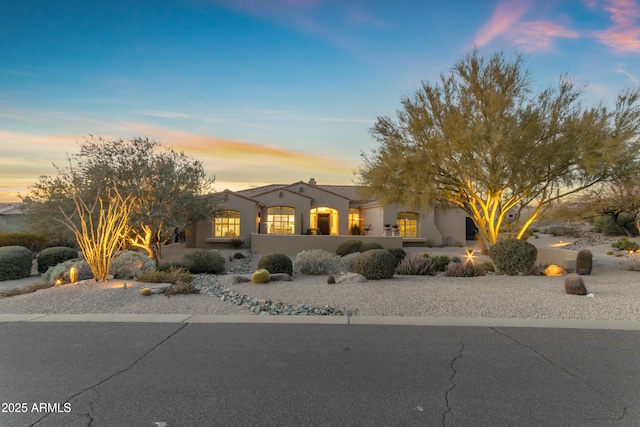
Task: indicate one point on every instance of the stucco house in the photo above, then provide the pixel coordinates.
(313, 209)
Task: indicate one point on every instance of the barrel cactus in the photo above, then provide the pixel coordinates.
(261, 276)
(584, 262)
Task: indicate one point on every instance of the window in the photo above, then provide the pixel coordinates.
(324, 220)
(226, 224)
(407, 224)
(281, 220)
(355, 226)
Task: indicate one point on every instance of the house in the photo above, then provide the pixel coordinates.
(315, 213)
(11, 217)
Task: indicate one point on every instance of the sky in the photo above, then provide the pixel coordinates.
(270, 91)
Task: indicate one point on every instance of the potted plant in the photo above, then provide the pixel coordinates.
(387, 229)
(395, 228)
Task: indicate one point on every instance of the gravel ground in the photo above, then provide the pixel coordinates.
(616, 297)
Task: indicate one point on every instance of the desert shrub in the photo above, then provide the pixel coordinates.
(513, 256)
(15, 262)
(456, 259)
(182, 288)
(168, 265)
(204, 261)
(416, 265)
(276, 263)
(53, 256)
(487, 266)
(607, 225)
(467, 269)
(375, 264)
(129, 264)
(61, 271)
(34, 242)
(317, 261)
(569, 230)
(441, 262)
(349, 260)
(630, 262)
(398, 253)
(172, 275)
(349, 247)
(625, 244)
(261, 276)
(370, 245)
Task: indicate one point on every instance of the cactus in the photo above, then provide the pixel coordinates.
(574, 285)
(261, 276)
(584, 262)
(145, 292)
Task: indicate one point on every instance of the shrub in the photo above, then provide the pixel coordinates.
(513, 256)
(487, 266)
(349, 260)
(276, 263)
(441, 262)
(238, 255)
(631, 263)
(33, 242)
(459, 269)
(375, 264)
(172, 275)
(349, 247)
(261, 276)
(54, 256)
(204, 261)
(416, 265)
(15, 262)
(165, 266)
(584, 262)
(456, 259)
(317, 261)
(607, 225)
(61, 271)
(370, 245)
(129, 264)
(625, 244)
(398, 253)
(181, 288)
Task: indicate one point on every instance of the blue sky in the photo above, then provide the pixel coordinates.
(271, 91)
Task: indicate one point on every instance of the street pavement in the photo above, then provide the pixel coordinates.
(170, 374)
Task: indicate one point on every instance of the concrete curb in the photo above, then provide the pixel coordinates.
(328, 320)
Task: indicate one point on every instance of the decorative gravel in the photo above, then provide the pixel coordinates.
(616, 296)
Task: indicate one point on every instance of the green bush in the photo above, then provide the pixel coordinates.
(398, 253)
(15, 262)
(61, 271)
(625, 244)
(54, 256)
(204, 261)
(375, 264)
(129, 264)
(607, 225)
(349, 247)
(441, 262)
(276, 263)
(33, 242)
(513, 256)
(165, 266)
(370, 245)
(416, 265)
(317, 261)
(349, 260)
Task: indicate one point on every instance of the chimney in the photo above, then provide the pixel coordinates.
(312, 181)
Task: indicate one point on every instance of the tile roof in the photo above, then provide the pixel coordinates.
(349, 192)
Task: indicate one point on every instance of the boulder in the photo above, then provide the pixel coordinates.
(282, 277)
(351, 278)
(574, 285)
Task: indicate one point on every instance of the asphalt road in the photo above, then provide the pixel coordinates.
(177, 374)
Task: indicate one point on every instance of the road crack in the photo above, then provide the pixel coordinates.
(453, 385)
(115, 374)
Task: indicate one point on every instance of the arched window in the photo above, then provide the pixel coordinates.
(407, 224)
(281, 220)
(226, 224)
(324, 220)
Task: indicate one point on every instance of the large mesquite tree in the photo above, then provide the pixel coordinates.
(168, 189)
(483, 139)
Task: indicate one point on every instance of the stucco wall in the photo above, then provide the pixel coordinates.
(451, 223)
(291, 245)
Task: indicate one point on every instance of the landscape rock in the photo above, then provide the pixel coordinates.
(282, 277)
(351, 278)
(574, 285)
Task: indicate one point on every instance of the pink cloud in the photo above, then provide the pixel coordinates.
(624, 34)
(503, 19)
(539, 35)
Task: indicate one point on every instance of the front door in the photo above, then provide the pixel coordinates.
(323, 224)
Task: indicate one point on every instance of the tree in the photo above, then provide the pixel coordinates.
(102, 230)
(169, 190)
(619, 203)
(482, 140)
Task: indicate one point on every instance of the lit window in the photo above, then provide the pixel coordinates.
(226, 224)
(324, 220)
(408, 224)
(281, 220)
(355, 226)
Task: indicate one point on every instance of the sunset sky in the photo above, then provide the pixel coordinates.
(269, 91)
